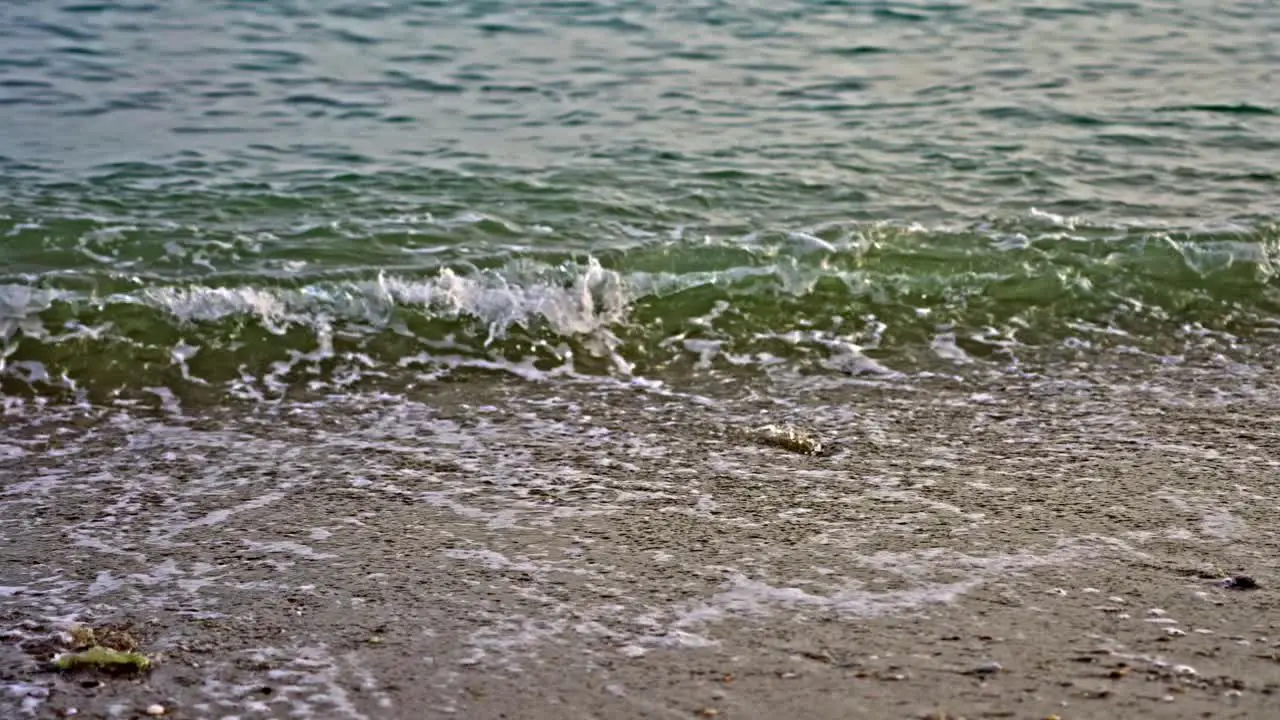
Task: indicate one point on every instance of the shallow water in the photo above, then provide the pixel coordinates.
(491, 530)
(236, 197)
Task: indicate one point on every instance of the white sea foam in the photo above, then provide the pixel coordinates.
(580, 301)
(20, 308)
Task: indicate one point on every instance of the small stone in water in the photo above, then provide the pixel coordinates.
(790, 438)
(155, 710)
(1240, 582)
(989, 667)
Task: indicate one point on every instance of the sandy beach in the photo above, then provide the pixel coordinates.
(1033, 550)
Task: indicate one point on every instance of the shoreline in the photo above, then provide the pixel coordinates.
(506, 551)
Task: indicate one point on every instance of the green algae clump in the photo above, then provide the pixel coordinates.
(102, 658)
(110, 648)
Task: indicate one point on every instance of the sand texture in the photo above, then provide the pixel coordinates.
(495, 551)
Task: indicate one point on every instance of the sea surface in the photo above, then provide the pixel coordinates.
(232, 200)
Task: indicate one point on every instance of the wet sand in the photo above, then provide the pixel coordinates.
(1029, 550)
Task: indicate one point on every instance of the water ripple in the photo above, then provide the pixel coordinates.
(282, 147)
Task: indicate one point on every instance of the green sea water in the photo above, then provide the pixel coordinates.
(232, 199)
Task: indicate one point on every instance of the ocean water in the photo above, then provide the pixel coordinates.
(236, 199)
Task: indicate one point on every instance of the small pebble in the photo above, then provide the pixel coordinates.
(1240, 582)
(1175, 632)
(155, 710)
(989, 667)
(791, 438)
